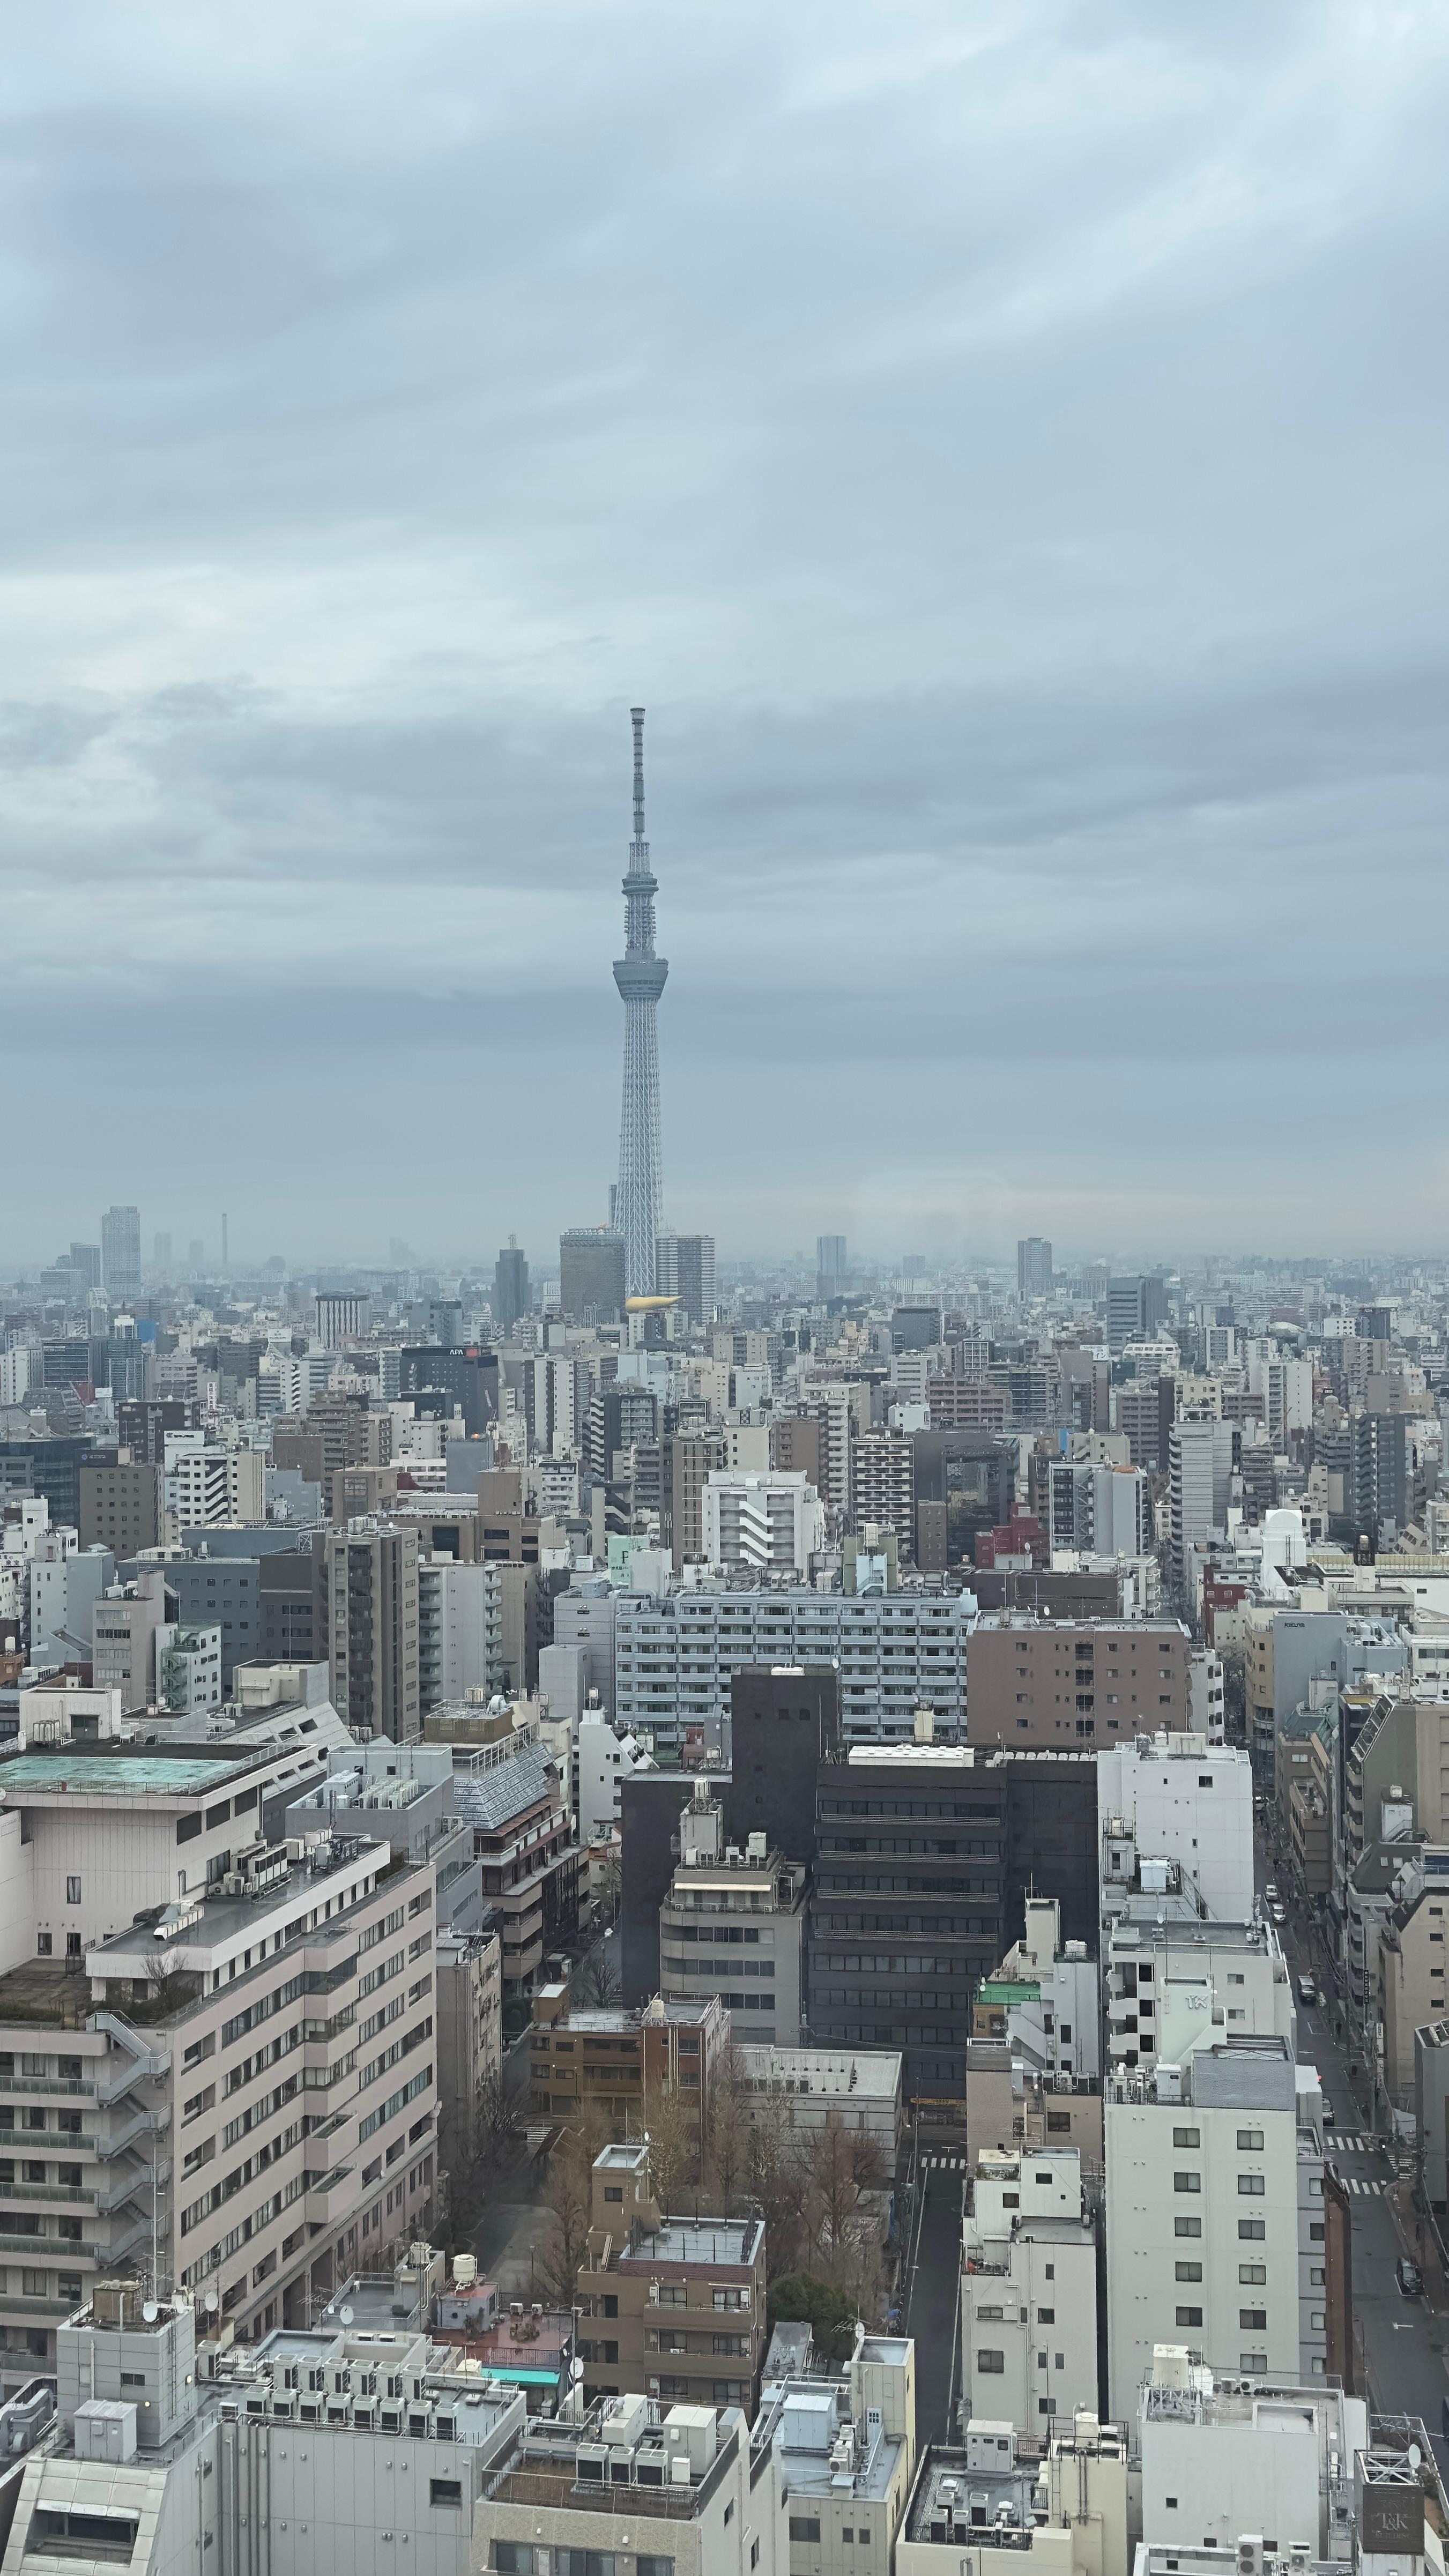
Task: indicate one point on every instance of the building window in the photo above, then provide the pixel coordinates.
(1189, 2182)
(1189, 2271)
(804, 2526)
(1189, 2316)
(1251, 2187)
(1250, 2142)
(991, 2363)
(72, 1891)
(1252, 2361)
(1187, 2227)
(1187, 2137)
(42, 1945)
(445, 2491)
(1253, 2320)
(1253, 2230)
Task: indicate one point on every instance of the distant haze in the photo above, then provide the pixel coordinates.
(1003, 447)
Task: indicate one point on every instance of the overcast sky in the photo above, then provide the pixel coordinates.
(1003, 445)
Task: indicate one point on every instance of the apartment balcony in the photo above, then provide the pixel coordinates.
(23, 2142)
(330, 2197)
(49, 2249)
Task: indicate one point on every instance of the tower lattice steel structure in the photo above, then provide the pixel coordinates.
(639, 974)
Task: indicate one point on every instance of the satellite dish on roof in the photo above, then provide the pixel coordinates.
(1416, 2458)
(150, 2311)
(212, 2301)
(347, 2315)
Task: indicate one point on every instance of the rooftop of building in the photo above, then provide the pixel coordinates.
(810, 2423)
(719, 2242)
(623, 2443)
(110, 1770)
(867, 2072)
(1152, 1923)
(207, 1922)
(625, 2020)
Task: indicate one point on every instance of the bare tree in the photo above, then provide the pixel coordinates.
(772, 2179)
(669, 2123)
(841, 2170)
(726, 2148)
(567, 2197)
(598, 1977)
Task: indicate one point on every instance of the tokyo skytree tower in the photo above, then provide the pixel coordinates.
(639, 974)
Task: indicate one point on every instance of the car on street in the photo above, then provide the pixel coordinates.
(1328, 2114)
(1409, 2277)
(1307, 1991)
(1279, 1915)
(1271, 1892)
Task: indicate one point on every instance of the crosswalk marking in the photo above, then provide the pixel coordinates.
(1353, 2142)
(1371, 2190)
(945, 2164)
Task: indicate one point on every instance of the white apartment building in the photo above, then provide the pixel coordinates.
(1028, 2292)
(298, 1380)
(460, 1629)
(205, 1488)
(1099, 1509)
(604, 1758)
(1219, 2460)
(1202, 2215)
(770, 1523)
(1206, 1704)
(1200, 1473)
(1181, 1800)
(1175, 1982)
(674, 1653)
(1057, 2029)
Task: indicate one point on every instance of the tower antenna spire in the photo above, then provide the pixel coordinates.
(637, 714)
(639, 975)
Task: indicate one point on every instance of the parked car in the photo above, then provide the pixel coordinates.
(1279, 1915)
(1307, 1991)
(1409, 2277)
(1328, 2117)
(1271, 1892)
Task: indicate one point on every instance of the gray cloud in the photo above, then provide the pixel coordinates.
(1001, 445)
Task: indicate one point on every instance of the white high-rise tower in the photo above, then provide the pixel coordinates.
(639, 1201)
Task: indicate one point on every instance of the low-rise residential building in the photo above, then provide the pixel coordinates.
(671, 2308)
(1028, 2291)
(669, 2489)
(1045, 1999)
(732, 1925)
(617, 2059)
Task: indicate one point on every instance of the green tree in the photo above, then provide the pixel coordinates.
(802, 2298)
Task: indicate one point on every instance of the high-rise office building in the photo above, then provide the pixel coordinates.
(594, 1274)
(684, 1268)
(121, 1254)
(831, 1273)
(510, 1287)
(1033, 1266)
(161, 1255)
(1135, 1308)
(639, 974)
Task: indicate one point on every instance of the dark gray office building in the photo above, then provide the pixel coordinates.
(591, 1274)
(510, 1287)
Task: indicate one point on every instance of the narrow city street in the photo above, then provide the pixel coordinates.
(932, 2308)
(1403, 2340)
